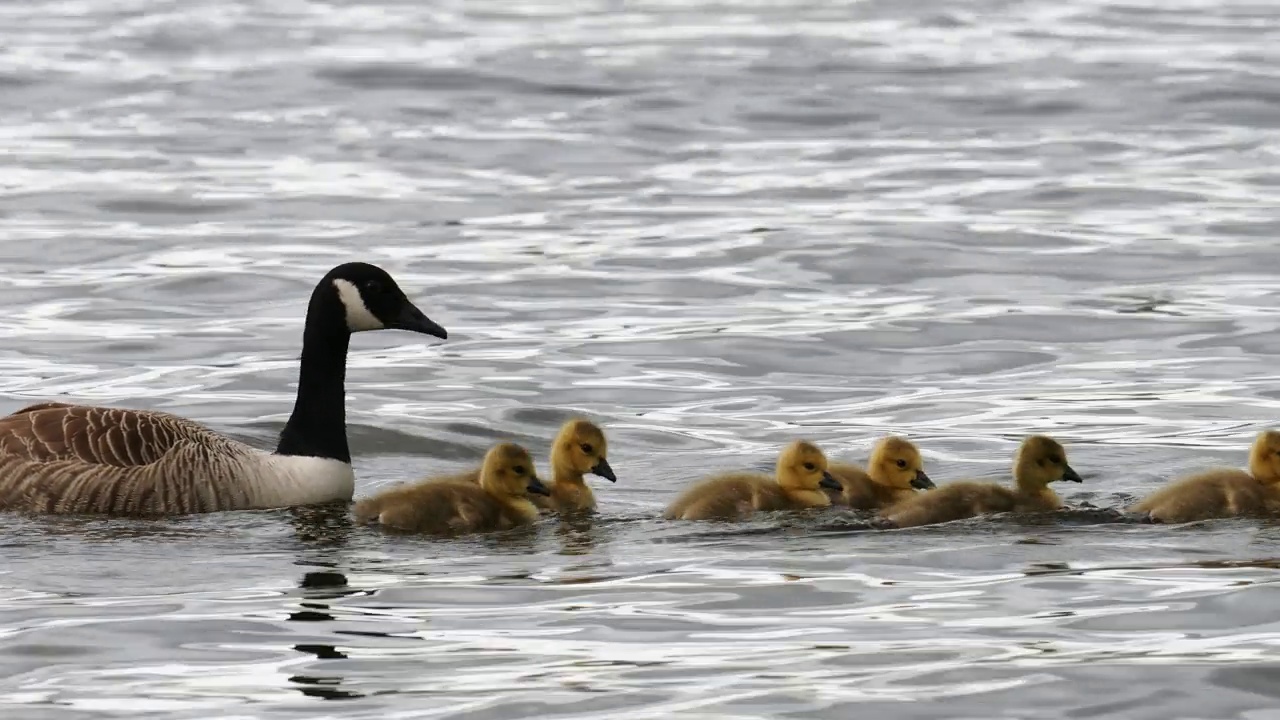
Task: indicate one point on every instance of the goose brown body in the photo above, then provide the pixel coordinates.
(454, 505)
(62, 458)
(1222, 492)
(1039, 461)
(66, 459)
(801, 480)
(894, 473)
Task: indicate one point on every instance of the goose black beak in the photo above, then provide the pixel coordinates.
(603, 470)
(830, 482)
(1070, 475)
(535, 487)
(413, 320)
(922, 481)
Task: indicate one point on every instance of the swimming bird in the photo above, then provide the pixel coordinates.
(1039, 461)
(1222, 492)
(799, 482)
(894, 473)
(578, 449)
(60, 458)
(450, 506)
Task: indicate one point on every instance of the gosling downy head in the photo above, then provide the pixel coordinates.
(367, 298)
(582, 448)
(803, 466)
(1040, 460)
(1264, 457)
(508, 471)
(896, 462)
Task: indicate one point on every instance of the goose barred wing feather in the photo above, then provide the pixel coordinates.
(59, 458)
(99, 435)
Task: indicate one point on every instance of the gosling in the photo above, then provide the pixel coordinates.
(800, 482)
(894, 474)
(1039, 461)
(1222, 492)
(451, 506)
(579, 448)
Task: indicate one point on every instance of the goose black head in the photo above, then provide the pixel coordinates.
(372, 300)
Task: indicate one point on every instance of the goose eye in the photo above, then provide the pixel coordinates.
(373, 287)
(902, 464)
(519, 469)
(586, 448)
(808, 466)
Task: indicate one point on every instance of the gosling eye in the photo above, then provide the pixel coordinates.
(519, 469)
(809, 466)
(902, 464)
(586, 448)
(1055, 459)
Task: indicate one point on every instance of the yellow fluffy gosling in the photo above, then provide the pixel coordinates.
(1222, 492)
(452, 506)
(1039, 461)
(800, 481)
(894, 473)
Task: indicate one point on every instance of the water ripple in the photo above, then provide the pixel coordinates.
(713, 227)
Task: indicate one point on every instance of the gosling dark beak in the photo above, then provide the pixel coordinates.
(603, 470)
(413, 320)
(1071, 475)
(922, 481)
(535, 487)
(830, 482)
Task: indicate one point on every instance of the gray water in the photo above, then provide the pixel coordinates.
(713, 227)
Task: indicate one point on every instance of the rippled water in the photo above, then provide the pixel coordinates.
(714, 227)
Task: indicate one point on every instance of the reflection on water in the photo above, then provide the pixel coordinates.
(322, 525)
(322, 585)
(713, 228)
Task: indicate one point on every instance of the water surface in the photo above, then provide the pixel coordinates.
(713, 227)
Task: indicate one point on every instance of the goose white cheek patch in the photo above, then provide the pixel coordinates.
(358, 316)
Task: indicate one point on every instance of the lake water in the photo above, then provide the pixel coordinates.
(714, 227)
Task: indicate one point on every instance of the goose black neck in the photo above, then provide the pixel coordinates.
(318, 425)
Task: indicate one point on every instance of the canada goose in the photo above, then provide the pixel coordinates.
(1223, 492)
(1039, 461)
(894, 473)
(800, 481)
(61, 458)
(579, 448)
(452, 505)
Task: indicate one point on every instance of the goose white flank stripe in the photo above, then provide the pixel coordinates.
(62, 458)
